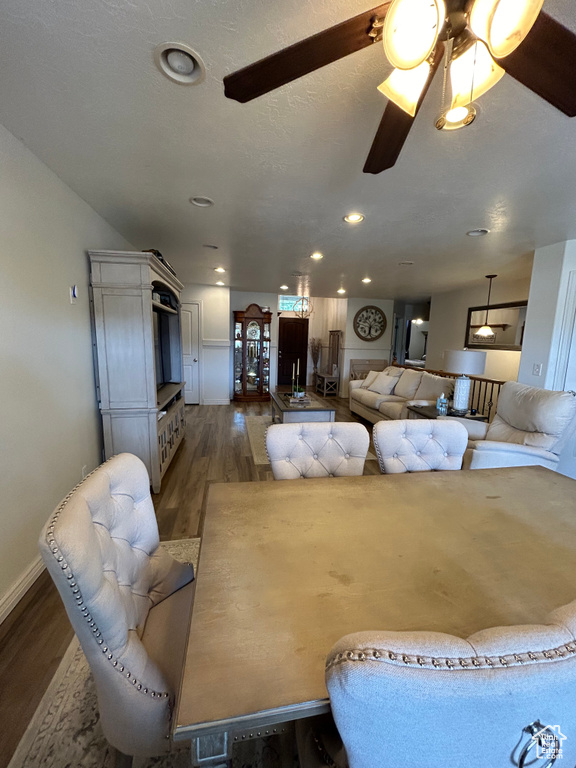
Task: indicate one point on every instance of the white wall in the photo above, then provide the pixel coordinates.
(447, 329)
(355, 348)
(50, 421)
(547, 304)
(214, 341)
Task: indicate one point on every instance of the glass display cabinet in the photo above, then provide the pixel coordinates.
(252, 354)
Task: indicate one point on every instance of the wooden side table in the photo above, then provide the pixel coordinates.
(327, 385)
(430, 412)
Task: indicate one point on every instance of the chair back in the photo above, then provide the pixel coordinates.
(317, 449)
(419, 445)
(532, 416)
(101, 547)
(429, 700)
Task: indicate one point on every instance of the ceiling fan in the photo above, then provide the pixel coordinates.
(482, 40)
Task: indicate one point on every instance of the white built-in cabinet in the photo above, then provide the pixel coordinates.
(135, 303)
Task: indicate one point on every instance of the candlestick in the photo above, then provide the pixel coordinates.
(298, 368)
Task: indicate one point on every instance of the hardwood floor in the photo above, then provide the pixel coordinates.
(36, 634)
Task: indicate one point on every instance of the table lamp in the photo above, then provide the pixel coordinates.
(465, 362)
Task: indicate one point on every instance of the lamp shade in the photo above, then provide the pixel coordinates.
(404, 86)
(465, 361)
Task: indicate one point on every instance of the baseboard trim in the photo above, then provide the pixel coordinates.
(17, 591)
(215, 402)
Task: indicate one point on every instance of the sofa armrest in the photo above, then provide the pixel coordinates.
(355, 383)
(476, 429)
(490, 446)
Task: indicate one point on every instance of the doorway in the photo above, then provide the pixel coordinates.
(190, 320)
(292, 346)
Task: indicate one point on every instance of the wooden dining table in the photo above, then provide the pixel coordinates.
(287, 568)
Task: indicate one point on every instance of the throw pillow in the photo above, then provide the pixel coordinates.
(393, 370)
(408, 383)
(370, 377)
(432, 387)
(383, 384)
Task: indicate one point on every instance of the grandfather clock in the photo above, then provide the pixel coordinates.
(252, 354)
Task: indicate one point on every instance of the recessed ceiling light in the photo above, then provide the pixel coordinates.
(354, 218)
(366, 279)
(405, 263)
(283, 287)
(341, 290)
(480, 232)
(179, 63)
(202, 202)
(219, 282)
(317, 255)
(219, 269)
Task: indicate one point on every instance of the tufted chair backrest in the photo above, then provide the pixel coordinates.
(101, 547)
(419, 445)
(429, 700)
(317, 449)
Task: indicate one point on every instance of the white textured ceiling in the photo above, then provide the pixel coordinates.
(78, 85)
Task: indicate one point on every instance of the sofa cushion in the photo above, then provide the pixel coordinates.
(431, 387)
(393, 410)
(370, 377)
(367, 398)
(531, 416)
(408, 384)
(383, 384)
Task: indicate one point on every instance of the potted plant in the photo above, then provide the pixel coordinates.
(298, 391)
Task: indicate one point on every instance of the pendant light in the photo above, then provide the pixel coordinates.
(486, 331)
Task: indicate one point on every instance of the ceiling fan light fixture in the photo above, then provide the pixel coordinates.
(317, 255)
(472, 73)
(411, 30)
(503, 24)
(404, 87)
(456, 118)
(341, 290)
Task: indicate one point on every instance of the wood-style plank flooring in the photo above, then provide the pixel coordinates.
(36, 634)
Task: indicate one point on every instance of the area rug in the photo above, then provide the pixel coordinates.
(65, 730)
(256, 427)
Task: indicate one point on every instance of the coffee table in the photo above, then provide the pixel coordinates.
(288, 413)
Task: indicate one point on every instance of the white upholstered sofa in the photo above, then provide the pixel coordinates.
(387, 394)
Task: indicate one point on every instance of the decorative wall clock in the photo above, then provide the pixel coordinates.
(369, 323)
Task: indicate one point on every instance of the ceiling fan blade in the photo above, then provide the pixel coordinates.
(303, 57)
(395, 127)
(545, 62)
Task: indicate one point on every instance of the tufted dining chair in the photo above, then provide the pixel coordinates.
(127, 599)
(419, 445)
(430, 700)
(317, 449)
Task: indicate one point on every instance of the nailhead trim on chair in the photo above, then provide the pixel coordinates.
(472, 662)
(59, 557)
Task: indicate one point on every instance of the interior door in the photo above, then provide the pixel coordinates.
(190, 314)
(292, 346)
